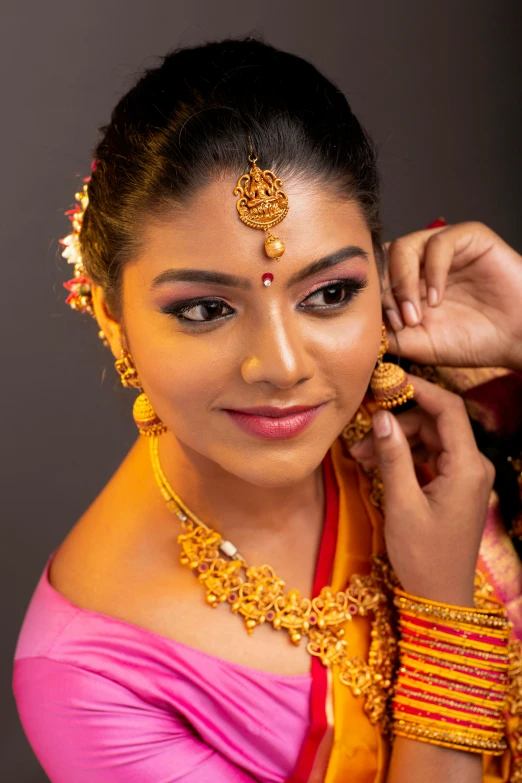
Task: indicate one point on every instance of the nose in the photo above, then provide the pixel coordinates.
(279, 356)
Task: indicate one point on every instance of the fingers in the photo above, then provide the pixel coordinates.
(457, 441)
(429, 250)
(402, 300)
(406, 256)
(438, 257)
(367, 456)
(391, 308)
(394, 459)
(439, 426)
(420, 431)
(419, 264)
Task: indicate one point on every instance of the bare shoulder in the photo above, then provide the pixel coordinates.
(121, 543)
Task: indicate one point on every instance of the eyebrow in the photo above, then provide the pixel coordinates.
(344, 254)
(200, 276)
(234, 281)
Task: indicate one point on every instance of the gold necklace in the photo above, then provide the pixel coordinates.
(257, 594)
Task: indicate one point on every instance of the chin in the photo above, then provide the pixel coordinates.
(277, 465)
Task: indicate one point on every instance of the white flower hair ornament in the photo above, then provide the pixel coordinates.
(79, 287)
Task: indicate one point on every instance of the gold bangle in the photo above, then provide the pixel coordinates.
(460, 677)
(462, 614)
(454, 651)
(433, 723)
(453, 639)
(453, 657)
(448, 739)
(447, 699)
(441, 690)
(448, 712)
(472, 627)
(497, 657)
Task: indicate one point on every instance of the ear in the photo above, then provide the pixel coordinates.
(109, 326)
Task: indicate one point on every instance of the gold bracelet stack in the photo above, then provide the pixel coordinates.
(452, 681)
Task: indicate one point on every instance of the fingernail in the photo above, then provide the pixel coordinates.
(410, 314)
(382, 425)
(395, 320)
(433, 296)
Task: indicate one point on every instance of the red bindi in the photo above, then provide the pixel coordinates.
(267, 278)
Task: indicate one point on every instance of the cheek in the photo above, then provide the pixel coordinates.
(347, 354)
(182, 374)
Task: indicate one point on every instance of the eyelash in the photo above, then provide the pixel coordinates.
(353, 288)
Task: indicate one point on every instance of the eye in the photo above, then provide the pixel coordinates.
(199, 310)
(333, 295)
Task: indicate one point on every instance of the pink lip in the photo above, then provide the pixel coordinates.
(274, 423)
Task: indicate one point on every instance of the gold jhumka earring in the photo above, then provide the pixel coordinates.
(390, 387)
(146, 418)
(389, 383)
(262, 204)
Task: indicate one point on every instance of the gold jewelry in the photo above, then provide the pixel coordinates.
(262, 203)
(493, 616)
(257, 594)
(389, 383)
(103, 338)
(514, 700)
(463, 646)
(357, 428)
(127, 371)
(146, 418)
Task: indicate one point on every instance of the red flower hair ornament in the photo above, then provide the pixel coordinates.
(80, 296)
(79, 286)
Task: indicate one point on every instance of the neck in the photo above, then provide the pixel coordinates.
(235, 508)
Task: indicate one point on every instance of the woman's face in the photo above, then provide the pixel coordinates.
(209, 339)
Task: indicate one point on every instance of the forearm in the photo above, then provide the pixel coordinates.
(419, 762)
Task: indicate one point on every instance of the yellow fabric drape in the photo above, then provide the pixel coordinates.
(359, 752)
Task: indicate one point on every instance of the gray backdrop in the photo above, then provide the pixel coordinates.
(438, 84)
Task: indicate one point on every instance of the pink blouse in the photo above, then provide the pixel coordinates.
(104, 701)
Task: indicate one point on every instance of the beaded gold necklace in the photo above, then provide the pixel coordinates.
(257, 594)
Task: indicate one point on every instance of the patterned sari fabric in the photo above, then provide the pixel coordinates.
(348, 737)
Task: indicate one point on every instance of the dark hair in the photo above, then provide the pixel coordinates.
(190, 118)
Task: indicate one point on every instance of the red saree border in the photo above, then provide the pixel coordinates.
(319, 690)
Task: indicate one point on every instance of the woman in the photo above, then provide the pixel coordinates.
(250, 369)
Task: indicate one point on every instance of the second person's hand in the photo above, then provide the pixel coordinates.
(432, 532)
(455, 297)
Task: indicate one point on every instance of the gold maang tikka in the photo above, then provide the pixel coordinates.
(262, 204)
